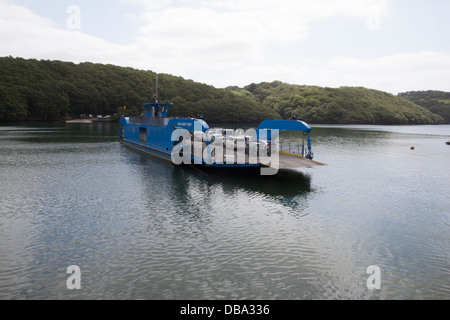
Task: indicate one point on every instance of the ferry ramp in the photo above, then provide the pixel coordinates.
(294, 161)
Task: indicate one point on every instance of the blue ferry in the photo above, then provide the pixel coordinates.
(191, 141)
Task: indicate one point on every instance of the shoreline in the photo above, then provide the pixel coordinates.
(90, 120)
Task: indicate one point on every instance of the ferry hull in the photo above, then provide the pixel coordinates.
(147, 150)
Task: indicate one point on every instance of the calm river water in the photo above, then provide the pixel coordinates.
(142, 228)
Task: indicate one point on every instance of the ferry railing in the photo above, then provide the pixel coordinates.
(147, 120)
(293, 147)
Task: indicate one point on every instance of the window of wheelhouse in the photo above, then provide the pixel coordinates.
(143, 134)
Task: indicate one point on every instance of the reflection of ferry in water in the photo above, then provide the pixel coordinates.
(192, 141)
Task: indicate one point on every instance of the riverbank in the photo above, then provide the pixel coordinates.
(91, 120)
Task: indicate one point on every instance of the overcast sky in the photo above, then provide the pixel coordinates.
(390, 45)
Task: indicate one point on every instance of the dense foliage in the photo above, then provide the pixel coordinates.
(345, 105)
(437, 102)
(53, 90)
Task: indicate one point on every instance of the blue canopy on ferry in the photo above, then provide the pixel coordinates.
(285, 125)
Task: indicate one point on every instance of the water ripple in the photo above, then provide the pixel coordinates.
(141, 228)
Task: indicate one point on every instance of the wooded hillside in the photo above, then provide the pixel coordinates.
(45, 90)
(345, 105)
(51, 90)
(437, 102)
